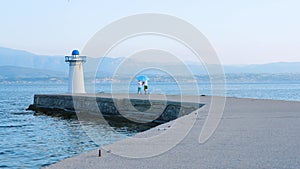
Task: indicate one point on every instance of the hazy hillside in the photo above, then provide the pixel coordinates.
(18, 63)
(12, 57)
(278, 67)
(13, 73)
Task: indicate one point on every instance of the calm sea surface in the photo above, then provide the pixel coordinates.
(33, 141)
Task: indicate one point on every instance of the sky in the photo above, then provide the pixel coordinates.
(241, 31)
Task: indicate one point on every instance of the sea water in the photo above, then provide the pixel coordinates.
(34, 141)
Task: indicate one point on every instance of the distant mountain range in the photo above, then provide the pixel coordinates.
(15, 73)
(278, 67)
(19, 58)
(22, 64)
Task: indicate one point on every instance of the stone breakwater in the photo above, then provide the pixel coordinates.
(131, 108)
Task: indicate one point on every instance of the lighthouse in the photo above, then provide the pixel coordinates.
(76, 78)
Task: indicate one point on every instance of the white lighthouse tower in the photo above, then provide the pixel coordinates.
(76, 79)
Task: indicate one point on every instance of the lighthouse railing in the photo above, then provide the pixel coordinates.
(75, 58)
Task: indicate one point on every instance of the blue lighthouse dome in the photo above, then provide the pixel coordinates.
(75, 52)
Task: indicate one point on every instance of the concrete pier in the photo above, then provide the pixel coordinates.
(136, 108)
(253, 133)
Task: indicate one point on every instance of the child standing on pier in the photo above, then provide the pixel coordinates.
(140, 85)
(145, 86)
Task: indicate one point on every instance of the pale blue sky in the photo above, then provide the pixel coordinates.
(241, 31)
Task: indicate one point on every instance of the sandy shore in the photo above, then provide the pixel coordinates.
(252, 133)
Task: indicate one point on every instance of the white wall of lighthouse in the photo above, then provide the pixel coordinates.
(76, 77)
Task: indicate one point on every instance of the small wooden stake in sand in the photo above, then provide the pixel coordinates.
(99, 152)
